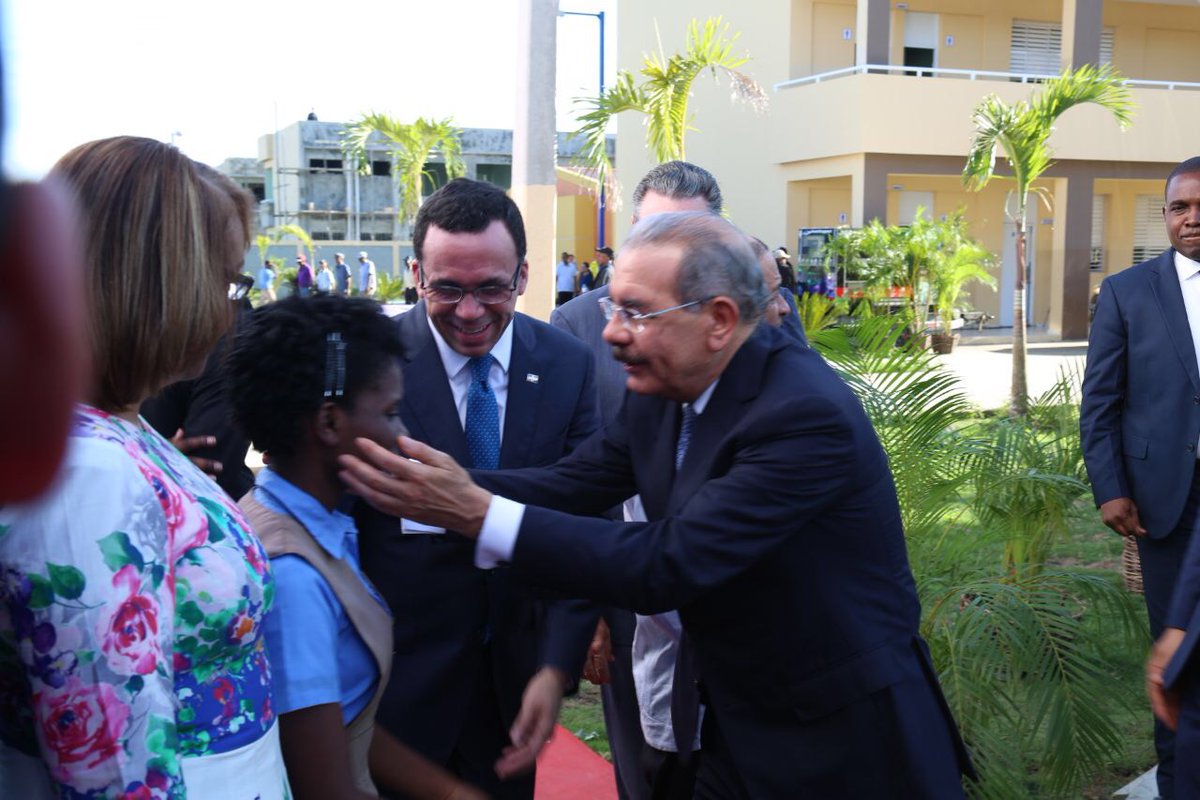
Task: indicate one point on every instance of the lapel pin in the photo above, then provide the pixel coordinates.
(530, 377)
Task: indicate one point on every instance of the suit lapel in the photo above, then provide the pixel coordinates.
(429, 410)
(1166, 289)
(524, 395)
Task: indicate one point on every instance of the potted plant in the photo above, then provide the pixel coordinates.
(960, 262)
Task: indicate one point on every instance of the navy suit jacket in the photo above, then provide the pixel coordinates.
(780, 543)
(445, 609)
(1140, 415)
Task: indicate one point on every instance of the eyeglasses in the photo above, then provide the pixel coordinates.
(491, 295)
(636, 321)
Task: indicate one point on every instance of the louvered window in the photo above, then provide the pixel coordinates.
(1037, 47)
(1149, 231)
(1099, 220)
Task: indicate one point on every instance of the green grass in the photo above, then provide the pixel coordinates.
(583, 716)
(1086, 545)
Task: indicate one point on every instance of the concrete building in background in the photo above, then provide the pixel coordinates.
(301, 177)
(870, 117)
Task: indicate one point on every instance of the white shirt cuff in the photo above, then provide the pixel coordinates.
(498, 536)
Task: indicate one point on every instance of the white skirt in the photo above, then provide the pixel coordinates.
(253, 772)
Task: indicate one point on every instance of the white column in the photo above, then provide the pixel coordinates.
(535, 148)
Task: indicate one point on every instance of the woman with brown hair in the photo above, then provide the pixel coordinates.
(132, 658)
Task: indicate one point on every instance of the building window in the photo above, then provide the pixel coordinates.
(1149, 231)
(320, 236)
(317, 164)
(381, 168)
(433, 178)
(1036, 47)
(1099, 220)
(495, 174)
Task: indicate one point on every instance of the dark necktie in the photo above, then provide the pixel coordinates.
(483, 417)
(685, 694)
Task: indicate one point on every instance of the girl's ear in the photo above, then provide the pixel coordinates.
(328, 423)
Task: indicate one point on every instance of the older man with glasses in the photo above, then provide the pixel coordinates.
(497, 389)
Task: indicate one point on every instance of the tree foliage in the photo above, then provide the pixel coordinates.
(410, 146)
(1021, 131)
(664, 93)
(1022, 647)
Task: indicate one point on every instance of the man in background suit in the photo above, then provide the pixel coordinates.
(1140, 416)
(1140, 424)
(799, 602)
(496, 389)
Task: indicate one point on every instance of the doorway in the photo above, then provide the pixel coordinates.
(920, 42)
(1008, 271)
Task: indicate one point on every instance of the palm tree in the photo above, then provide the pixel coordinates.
(411, 146)
(1022, 131)
(664, 93)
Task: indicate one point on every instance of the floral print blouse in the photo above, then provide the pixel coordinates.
(131, 605)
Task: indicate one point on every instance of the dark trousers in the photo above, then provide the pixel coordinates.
(622, 718)
(563, 297)
(482, 739)
(1161, 560)
(669, 776)
(1187, 741)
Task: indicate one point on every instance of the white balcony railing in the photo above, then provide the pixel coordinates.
(964, 74)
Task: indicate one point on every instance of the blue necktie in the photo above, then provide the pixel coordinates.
(483, 417)
(685, 691)
(685, 435)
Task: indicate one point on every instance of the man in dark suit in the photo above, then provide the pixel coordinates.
(799, 602)
(1140, 416)
(496, 389)
(1140, 424)
(646, 737)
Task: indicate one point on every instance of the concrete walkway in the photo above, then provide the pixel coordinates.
(984, 362)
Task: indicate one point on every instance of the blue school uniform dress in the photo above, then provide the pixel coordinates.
(317, 655)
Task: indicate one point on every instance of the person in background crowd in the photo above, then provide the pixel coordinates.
(368, 281)
(587, 281)
(140, 666)
(604, 257)
(325, 281)
(304, 277)
(266, 281)
(565, 279)
(343, 273)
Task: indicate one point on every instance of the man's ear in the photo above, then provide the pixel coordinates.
(523, 278)
(328, 423)
(725, 318)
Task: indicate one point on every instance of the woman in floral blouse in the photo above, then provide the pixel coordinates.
(132, 658)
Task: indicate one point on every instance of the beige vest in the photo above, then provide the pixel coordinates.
(283, 534)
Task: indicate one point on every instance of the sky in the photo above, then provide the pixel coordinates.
(216, 75)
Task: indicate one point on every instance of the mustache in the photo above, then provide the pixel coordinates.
(620, 354)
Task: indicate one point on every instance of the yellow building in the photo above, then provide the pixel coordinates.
(870, 117)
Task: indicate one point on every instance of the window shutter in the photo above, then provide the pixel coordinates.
(1036, 48)
(1099, 219)
(1149, 231)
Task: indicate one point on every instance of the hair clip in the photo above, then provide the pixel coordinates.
(335, 365)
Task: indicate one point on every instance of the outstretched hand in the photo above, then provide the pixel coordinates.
(534, 725)
(421, 483)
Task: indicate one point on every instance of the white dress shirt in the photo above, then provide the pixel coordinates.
(498, 536)
(458, 372)
(1189, 282)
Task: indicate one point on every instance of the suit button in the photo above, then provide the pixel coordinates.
(1191, 447)
(1196, 399)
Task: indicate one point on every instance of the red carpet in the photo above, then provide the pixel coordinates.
(570, 770)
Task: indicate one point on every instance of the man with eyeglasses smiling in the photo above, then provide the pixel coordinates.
(496, 389)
